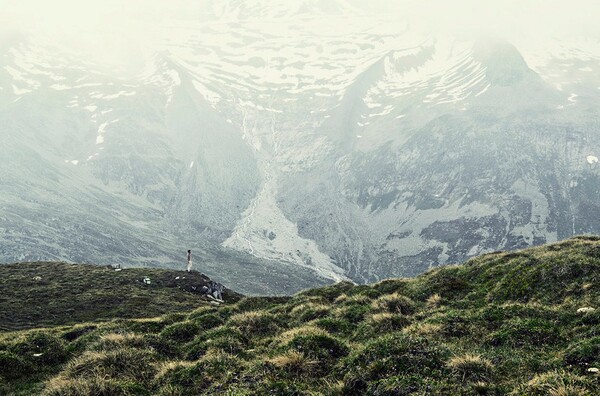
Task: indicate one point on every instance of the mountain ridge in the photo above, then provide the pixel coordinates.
(300, 147)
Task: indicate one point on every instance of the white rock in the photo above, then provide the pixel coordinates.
(586, 310)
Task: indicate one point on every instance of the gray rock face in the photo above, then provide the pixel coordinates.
(286, 161)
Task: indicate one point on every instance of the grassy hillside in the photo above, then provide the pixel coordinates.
(504, 323)
(46, 294)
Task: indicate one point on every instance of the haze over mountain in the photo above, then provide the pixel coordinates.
(294, 142)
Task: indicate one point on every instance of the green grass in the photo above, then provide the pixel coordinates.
(501, 324)
(69, 293)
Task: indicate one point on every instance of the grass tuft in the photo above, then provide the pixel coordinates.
(471, 368)
(503, 323)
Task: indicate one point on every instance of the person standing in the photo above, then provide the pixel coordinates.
(189, 259)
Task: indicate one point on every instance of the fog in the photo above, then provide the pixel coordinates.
(123, 32)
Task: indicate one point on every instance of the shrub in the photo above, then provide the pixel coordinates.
(166, 369)
(329, 293)
(222, 338)
(393, 355)
(195, 378)
(121, 364)
(202, 311)
(255, 323)
(287, 336)
(584, 352)
(434, 301)
(162, 346)
(209, 321)
(114, 341)
(40, 348)
(323, 348)
(148, 326)
(260, 303)
(13, 366)
(356, 299)
(495, 315)
(293, 362)
(390, 286)
(471, 368)
(315, 344)
(449, 282)
(423, 329)
(334, 326)
(526, 333)
(556, 383)
(394, 303)
(353, 313)
(180, 332)
(364, 290)
(280, 388)
(590, 318)
(170, 390)
(310, 311)
(83, 342)
(456, 324)
(380, 324)
(77, 332)
(173, 318)
(92, 386)
(410, 384)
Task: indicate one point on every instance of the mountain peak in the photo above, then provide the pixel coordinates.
(505, 64)
(263, 9)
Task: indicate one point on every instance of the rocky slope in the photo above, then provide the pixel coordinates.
(291, 141)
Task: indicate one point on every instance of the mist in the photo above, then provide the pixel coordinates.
(125, 33)
(330, 139)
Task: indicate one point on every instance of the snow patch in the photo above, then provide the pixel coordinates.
(60, 87)
(484, 90)
(20, 91)
(210, 96)
(265, 232)
(118, 95)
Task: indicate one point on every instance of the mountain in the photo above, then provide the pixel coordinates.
(277, 9)
(289, 142)
(506, 323)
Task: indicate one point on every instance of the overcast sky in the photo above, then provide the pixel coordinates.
(497, 15)
(129, 23)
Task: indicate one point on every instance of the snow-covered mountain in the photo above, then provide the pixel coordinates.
(286, 139)
(261, 10)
